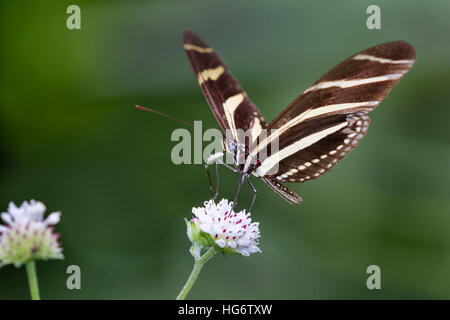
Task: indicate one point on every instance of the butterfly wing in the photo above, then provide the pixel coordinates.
(328, 119)
(343, 132)
(230, 105)
(284, 192)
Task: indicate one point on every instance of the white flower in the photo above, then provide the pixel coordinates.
(27, 235)
(232, 231)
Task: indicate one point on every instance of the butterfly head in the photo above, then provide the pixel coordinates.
(239, 151)
(241, 156)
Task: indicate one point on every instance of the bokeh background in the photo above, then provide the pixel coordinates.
(71, 137)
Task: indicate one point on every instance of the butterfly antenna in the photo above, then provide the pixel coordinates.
(164, 115)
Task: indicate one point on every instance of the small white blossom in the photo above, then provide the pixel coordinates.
(233, 232)
(27, 235)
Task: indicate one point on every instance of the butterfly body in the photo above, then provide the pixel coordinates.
(316, 130)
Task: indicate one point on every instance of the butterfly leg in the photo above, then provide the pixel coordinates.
(213, 195)
(210, 182)
(227, 166)
(217, 182)
(241, 181)
(217, 173)
(254, 194)
(213, 158)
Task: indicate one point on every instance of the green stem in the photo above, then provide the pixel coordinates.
(32, 280)
(198, 265)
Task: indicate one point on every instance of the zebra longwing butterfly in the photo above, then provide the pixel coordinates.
(314, 131)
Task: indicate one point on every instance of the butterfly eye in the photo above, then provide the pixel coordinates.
(232, 145)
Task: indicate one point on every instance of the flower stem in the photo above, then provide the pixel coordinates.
(32, 280)
(198, 265)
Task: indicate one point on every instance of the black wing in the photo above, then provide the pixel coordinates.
(327, 121)
(229, 103)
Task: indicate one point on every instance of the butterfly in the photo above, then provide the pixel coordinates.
(315, 131)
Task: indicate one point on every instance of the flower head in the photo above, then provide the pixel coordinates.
(232, 232)
(27, 235)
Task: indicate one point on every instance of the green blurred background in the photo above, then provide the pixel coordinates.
(70, 137)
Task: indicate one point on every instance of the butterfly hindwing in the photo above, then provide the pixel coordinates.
(320, 157)
(284, 192)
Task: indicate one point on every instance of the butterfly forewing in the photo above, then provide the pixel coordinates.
(229, 103)
(356, 84)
